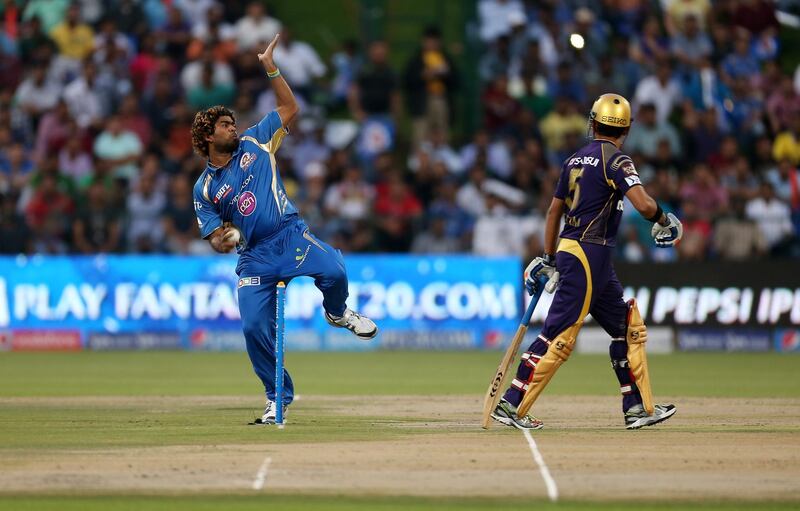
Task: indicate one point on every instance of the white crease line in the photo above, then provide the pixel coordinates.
(552, 489)
(261, 475)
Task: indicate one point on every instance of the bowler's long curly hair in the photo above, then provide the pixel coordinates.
(203, 126)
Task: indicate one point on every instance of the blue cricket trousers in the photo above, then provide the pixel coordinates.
(291, 252)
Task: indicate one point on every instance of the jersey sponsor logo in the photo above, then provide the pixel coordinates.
(584, 160)
(633, 180)
(222, 193)
(244, 184)
(247, 203)
(198, 205)
(249, 281)
(247, 160)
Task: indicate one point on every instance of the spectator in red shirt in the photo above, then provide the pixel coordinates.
(396, 208)
(722, 161)
(132, 119)
(144, 65)
(696, 233)
(754, 15)
(48, 201)
(11, 18)
(54, 130)
(179, 136)
(499, 108)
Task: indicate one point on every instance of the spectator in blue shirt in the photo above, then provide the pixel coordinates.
(744, 111)
(741, 63)
(691, 45)
(705, 88)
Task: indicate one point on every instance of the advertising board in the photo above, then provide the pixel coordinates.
(419, 302)
(136, 302)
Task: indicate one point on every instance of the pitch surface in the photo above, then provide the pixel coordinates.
(382, 429)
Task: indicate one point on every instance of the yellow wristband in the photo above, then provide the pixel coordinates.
(274, 74)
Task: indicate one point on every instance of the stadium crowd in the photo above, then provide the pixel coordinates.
(97, 98)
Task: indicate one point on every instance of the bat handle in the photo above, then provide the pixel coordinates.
(526, 318)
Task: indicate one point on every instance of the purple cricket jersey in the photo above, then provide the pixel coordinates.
(592, 183)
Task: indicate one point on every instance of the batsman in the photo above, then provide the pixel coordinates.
(577, 263)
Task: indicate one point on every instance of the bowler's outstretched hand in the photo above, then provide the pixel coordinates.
(266, 57)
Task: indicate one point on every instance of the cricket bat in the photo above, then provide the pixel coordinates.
(496, 385)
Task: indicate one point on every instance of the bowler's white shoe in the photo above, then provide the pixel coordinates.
(362, 326)
(269, 414)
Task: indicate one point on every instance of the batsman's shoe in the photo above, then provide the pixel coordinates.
(362, 326)
(269, 414)
(506, 413)
(636, 417)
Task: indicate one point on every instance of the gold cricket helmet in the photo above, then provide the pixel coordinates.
(611, 110)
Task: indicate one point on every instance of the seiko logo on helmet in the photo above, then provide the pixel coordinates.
(614, 120)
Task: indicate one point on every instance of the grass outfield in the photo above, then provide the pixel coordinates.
(54, 404)
(384, 373)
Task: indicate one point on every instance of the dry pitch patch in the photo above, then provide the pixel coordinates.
(720, 449)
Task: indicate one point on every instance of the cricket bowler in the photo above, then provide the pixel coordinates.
(241, 203)
(589, 195)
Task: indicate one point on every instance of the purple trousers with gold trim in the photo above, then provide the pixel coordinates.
(588, 285)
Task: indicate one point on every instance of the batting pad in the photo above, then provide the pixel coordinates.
(637, 357)
(557, 353)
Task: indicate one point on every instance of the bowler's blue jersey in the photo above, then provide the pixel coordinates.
(592, 185)
(248, 191)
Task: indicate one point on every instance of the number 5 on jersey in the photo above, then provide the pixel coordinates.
(574, 188)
